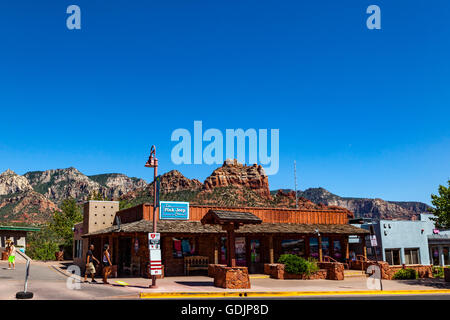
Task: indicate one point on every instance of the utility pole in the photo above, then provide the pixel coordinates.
(295, 178)
(153, 163)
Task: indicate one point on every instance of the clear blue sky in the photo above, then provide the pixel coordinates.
(364, 113)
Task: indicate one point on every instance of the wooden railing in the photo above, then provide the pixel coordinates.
(330, 259)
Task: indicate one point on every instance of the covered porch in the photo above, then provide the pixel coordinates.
(255, 245)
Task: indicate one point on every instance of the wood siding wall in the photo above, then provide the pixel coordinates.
(271, 215)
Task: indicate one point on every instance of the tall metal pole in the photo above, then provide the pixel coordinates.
(154, 211)
(295, 178)
(153, 163)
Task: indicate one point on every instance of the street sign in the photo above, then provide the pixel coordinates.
(373, 241)
(154, 240)
(171, 210)
(155, 262)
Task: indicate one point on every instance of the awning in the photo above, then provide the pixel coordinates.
(196, 227)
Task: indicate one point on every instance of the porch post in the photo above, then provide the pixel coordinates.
(271, 255)
(346, 248)
(363, 239)
(216, 249)
(320, 249)
(231, 249)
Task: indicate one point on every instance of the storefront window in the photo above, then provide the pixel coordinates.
(223, 250)
(435, 255)
(337, 250)
(314, 248)
(183, 247)
(255, 254)
(392, 256)
(293, 246)
(445, 252)
(411, 256)
(325, 246)
(240, 251)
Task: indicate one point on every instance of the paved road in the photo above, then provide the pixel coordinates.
(49, 284)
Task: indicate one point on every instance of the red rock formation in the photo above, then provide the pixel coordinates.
(174, 181)
(236, 174)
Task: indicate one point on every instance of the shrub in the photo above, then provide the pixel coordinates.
(298, 265)
(405, 274)
(438, 272)
(42, 245)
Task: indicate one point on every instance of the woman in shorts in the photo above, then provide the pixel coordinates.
(106, 264)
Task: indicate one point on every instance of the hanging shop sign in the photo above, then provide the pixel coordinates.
(170, 210)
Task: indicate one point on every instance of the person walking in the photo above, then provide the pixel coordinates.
(106, 264)
(11, 256)
(90, 268)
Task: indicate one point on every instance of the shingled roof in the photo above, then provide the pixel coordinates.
(222, 216)
(196, 227)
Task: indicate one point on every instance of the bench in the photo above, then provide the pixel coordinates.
(195, 263)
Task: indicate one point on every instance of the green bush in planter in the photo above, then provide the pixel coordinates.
(438, 272)
(405, 274)
(298, 265)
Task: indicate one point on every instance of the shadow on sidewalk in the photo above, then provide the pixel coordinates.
(433, 282)
(196, 283)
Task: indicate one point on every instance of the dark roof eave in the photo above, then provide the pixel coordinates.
(196, 227)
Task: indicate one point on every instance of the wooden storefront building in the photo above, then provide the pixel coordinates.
(319, 234)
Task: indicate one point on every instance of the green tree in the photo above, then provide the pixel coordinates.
(64, 221)
(96, 195)
(43, 244)
(441, 205)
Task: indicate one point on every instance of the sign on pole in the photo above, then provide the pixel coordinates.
(155, 262)
(154, 240)
(373, 240)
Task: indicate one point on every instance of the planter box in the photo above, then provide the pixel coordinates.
(4, 255)
(212, 269)
(447, 274)
(276, 271)
(335, 270)
(232, 277)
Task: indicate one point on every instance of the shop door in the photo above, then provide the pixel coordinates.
(241, 252)
(256, 266)
(337, 250)
(124, 255)
(223, 251)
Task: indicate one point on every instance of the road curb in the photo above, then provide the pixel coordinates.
(274, 294)
(66, 273)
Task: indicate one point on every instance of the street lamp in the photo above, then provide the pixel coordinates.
(153, 163)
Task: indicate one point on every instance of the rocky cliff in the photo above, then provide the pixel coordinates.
(19, 203)
(59, 184)
(33, 197)
(114, 185)
(233, 173)
(11, 183)
(365, 207)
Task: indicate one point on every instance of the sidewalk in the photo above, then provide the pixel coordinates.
(261, 285)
